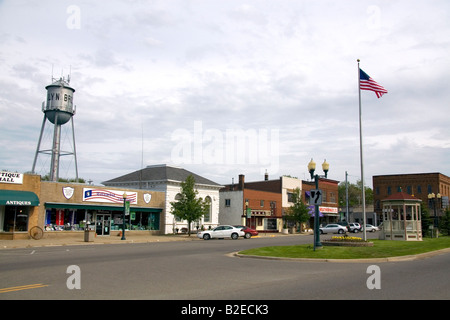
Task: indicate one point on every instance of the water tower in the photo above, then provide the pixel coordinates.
(59, 110)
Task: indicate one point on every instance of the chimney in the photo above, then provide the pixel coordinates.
(241, 182)
(266, 176)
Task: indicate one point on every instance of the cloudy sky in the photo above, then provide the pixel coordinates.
(229, 87)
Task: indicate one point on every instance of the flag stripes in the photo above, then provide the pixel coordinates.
(367, 83)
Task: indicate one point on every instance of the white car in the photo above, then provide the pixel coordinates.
(221, 232)
(333, 228)
(371, 228)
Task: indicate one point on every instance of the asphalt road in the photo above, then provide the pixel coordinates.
(204, 270)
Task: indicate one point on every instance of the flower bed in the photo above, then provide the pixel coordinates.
(346, 241)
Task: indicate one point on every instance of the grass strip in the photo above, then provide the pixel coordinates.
(381, 249)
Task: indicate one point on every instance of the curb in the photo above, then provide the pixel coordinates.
(368, 260)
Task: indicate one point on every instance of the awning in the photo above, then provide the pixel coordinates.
(18, 198)
(98, 207)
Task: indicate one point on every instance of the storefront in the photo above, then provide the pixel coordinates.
(69, 208)
(104, 219)
(74, 207)
(15, 209)
(19, 204)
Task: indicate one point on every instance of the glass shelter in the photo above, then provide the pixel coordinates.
(401, 218)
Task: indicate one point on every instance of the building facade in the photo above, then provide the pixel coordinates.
(420, 185)
(63, 209)
(168, 179)
(245, 204)
(329, 210)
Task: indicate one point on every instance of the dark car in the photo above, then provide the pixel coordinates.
(248, 231)
(344, 224)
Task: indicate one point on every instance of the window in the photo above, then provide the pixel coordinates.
(409, 189)
(261, 203)
(290, 197)
(332, 197)
(207, 216)
(389, 190)
(64, 219)
(15, 219)
(178, 198)
(144, 221)
(419, 189)
(227, 202)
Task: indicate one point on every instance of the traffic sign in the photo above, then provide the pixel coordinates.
(316, 197)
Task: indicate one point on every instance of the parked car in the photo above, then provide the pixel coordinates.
(371, 228)
(249, 232)
(344, 224)
(220, 232)
(354, 227)
(333, 228)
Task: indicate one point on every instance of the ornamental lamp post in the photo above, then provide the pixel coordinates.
(311, 169)
(123, 215)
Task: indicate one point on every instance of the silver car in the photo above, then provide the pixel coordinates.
(333, 228)
(371, 228)
(220, 232)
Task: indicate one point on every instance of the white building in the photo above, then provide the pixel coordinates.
(168, 179)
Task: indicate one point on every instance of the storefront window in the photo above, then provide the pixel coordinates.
(64, 219)
(144, 221)
(15, 219)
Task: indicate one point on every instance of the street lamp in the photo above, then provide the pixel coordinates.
(123, 215)
(434, 199)
(311, 169)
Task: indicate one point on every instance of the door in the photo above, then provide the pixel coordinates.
(103, 224)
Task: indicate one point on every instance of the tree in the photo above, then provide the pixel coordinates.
(354, 194)
(299, 211)
(444, 224)
(188, 206)
(426, 220)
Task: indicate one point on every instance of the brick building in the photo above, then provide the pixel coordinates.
(246, 204)
(276, 195)
(420, 185)
(329, 209)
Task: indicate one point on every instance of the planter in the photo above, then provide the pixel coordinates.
(347, 243)
(284, 231)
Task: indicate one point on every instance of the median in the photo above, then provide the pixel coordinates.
(379, 249)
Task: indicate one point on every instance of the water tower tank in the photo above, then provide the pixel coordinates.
(58, 109)
(59, 105)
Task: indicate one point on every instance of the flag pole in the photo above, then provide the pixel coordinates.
(361, 158)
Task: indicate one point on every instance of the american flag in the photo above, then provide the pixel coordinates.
(367, 83)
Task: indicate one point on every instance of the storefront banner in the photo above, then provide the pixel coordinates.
(328, 209)
(59, 217)
(110, 196)
(11, 177)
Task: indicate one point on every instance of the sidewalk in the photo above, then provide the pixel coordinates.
(74, 241)
(48, 241)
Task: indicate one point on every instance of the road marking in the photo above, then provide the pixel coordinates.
(29, 286)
